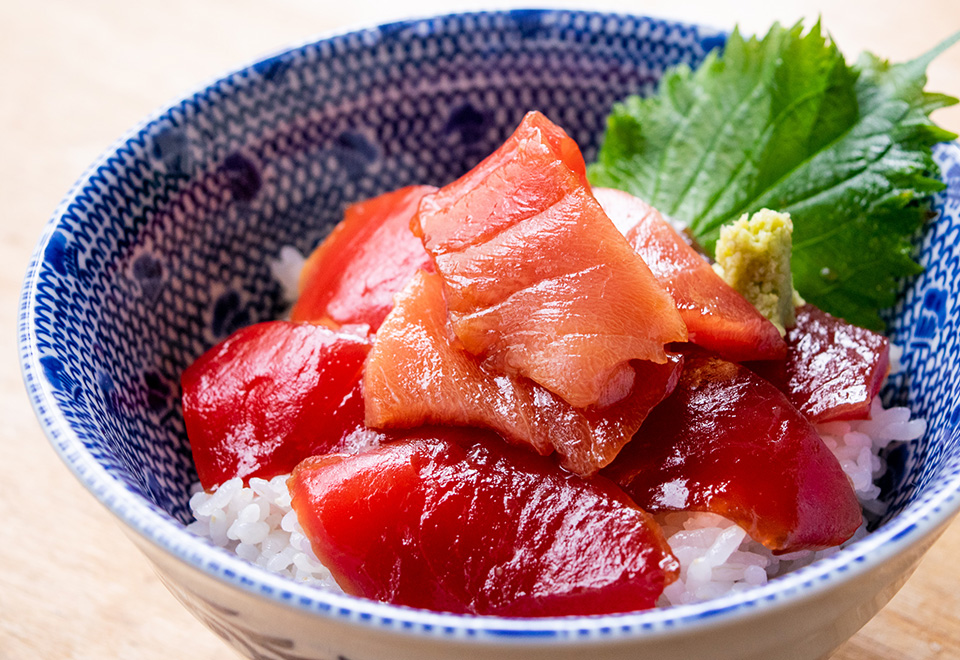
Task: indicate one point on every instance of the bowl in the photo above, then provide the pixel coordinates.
(165, 246)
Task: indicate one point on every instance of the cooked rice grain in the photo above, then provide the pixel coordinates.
(258, 524)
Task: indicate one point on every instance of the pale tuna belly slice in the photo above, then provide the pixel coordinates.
(718, 318)
(538, 281)
(414, 376)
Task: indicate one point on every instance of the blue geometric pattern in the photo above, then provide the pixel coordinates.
(925, 323)
(163, 248)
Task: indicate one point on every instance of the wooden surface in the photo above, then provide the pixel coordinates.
(75, 75)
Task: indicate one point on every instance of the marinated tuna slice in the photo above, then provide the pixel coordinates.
(270, 395)
(729, 442)
(539, 282)
(459, 521)
(718, 318)
(833, 369)
(414, 376)
(352, 275)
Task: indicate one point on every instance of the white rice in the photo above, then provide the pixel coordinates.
(286, 270)
(716, 557)
(258, 524)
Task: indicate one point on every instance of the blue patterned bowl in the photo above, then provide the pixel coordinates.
(163, 246)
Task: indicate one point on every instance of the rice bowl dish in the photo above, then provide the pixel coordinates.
(114, 416)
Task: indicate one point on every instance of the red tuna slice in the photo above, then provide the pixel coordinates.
(414, 376)
(459, 521)
(833, 369)
(729, 442)
(270, 395)
(718, 318)
(539, 282)
(353, 274)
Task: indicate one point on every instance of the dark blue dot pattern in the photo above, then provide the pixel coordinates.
(243, 177)
(170, 147)
(163, 248)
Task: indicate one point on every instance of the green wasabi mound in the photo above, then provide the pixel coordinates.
(753, 257)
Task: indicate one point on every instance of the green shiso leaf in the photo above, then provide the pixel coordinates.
(785, 123)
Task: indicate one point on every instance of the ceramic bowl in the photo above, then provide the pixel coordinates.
(164, 247)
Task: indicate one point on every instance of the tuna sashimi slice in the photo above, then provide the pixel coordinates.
(353, 274)
(459, 521)
(833, 369)
(270, 395)
(718, 318)
(414, 376)
(729, 442)
(539, 283)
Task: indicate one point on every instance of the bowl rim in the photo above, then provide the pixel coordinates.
(915, 523)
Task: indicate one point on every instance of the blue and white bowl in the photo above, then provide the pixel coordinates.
(163, 248)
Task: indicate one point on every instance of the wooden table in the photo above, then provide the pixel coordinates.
(74, 77)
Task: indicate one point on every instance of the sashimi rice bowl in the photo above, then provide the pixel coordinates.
(455, 338)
